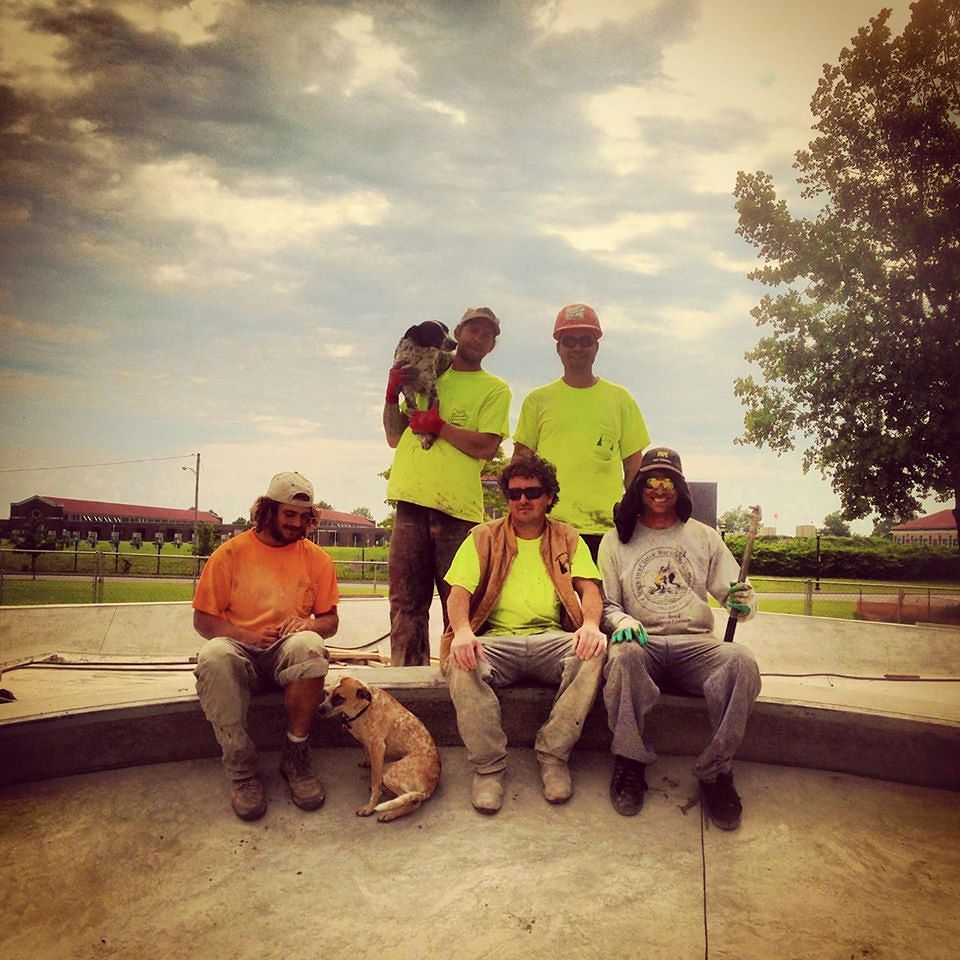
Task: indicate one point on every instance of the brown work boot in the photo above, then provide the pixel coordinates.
(247, 799)
(487, 792)
(557, 785)
(306, 790)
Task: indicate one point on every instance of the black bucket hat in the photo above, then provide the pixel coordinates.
(625, 513)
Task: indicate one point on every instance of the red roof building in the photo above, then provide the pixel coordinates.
(935, 530)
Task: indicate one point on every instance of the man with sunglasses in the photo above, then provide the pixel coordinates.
(524, 604)
(658, 567)
(591, 429)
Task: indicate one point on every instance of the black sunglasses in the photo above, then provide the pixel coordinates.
(531, 493)
(584, 341)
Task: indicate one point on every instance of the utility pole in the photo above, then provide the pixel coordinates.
(196, 520)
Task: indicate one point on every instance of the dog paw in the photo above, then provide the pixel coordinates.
(364, 762)
(366, 810)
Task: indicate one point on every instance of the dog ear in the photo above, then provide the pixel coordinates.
(363, 693)
(411, 333)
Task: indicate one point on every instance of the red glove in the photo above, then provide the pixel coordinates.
(427, 421)
(399, 375)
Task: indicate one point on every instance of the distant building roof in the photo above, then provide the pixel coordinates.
(334, 518)
(124, 511)
(941, 520)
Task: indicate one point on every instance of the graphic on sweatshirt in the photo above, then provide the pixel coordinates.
(660, 579)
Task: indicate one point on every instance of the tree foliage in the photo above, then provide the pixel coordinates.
(835, 526)
(735, 520)
(863, 361)
(362, 512)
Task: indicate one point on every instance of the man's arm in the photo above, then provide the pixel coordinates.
(589, 641)
(521, 452)
(466, 649)
(631, 465)
(394, 423)
(483, 446)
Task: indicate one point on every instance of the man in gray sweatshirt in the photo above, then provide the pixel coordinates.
(658, 566)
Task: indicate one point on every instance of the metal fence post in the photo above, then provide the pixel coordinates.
(808, 598)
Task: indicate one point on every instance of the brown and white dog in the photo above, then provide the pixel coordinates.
(398, 747)
(426, 349)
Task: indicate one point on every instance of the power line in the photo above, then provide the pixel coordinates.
(109, 463)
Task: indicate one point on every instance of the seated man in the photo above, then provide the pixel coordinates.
(658, 566)
(264, 602)
(529, 587)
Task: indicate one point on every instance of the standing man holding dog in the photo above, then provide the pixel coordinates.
(265, 602)
(437, 491)
(524, 603)
(658, 567)
(591, 429)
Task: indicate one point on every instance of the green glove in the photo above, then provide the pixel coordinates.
(630, 633)
(739, 597)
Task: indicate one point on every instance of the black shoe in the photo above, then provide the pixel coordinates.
(722, 803)
(627, 786)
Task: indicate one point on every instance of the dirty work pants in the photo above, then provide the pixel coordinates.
(228, 673)
(724, 674)
(422, 546)
(544, 658)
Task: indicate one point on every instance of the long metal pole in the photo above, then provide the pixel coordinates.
(196, 524)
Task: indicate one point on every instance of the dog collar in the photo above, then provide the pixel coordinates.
(346, 721)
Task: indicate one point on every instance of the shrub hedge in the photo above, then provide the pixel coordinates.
(853, 558)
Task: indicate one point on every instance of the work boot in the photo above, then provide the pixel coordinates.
(722, 803)
(557, 786)
(306, 790)
(487, 792)
(247, 799)
(627, 786)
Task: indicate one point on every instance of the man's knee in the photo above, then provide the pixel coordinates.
(624, 660)
(219, 657)
(304, 657)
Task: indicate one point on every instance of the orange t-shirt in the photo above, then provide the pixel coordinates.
(255, 586)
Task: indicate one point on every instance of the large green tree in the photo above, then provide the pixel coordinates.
(862, 364)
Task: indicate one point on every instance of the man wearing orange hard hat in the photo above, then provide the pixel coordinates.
(591, 429)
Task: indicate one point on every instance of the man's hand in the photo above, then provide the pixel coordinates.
(427, 421)
(630, 631)
(466, 650)
(740, 599)
(398, 376)
(295, 625)
(261, 639)
(589, 641)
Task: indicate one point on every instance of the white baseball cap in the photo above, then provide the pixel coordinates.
(291, 487)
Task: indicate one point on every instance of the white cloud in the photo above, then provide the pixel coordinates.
(192, 21)
(263, 214)
(566, 16)
(72, 333)
(376, 62)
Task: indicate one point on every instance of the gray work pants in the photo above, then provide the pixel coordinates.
(228, 673)
(544, 658)
(422, 546)
(724, 674)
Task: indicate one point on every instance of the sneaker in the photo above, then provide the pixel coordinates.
(306, 790)
(487, 792)
(247, 799)
(722, 803)
(627, 786)
(557, 786)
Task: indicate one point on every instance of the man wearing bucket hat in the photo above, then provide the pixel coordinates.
(265, 602)
(658, 566)
(437, 492)
(591, 429)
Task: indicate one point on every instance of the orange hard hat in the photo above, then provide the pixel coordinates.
(577, 316)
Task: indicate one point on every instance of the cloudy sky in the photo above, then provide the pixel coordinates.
(218, 217)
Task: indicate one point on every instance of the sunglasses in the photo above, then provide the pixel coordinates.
(662, 483)
(585, 341)
(531, 493)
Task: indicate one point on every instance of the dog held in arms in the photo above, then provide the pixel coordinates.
(426, 349)
(397, 746)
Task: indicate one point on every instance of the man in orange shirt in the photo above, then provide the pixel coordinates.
(265, 601)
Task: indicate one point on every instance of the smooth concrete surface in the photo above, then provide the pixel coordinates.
(149, 862)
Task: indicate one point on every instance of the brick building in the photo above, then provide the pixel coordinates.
(935, 530)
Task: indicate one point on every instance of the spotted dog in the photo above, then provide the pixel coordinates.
(426, 349)
(401, 753)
